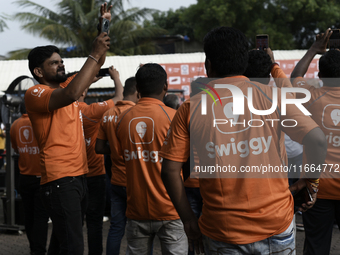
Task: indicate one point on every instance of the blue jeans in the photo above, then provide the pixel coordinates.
(36, 216)
(281, 244)
(65, 200)
(140, 235)
(118, 219)
(94, 214)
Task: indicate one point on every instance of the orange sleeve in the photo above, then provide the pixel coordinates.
(37, 98)
(280, 77)
(95, 111)
(176, 146)
(301, 82)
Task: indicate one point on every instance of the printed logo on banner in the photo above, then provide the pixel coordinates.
(141, 130)
(186, 89)
(184, 69)
(26, 134)
(170, 69)
(174, 80)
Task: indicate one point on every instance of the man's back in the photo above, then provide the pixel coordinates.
(105, 133)
(247, 143)
(141, 131)
(24, 142)
(325, 109)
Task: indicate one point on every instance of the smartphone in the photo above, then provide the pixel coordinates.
(103, 72)
(334, 39)
(262, 41)
(105, 26)
(302, 197)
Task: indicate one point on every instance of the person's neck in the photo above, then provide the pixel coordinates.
(159, 97)
(50, 84)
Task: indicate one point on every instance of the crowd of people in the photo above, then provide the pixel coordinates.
(157, 144)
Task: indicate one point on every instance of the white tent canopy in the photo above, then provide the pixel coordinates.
(126, 65)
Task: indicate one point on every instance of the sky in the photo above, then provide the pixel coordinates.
(14, 38)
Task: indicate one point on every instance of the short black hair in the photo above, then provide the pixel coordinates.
(130, 86)
(259, 64)
(329, 64)
(171, 100)
(227, 50)
(150, 79)
(38, 55)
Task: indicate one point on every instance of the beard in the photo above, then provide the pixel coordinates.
(61, 78)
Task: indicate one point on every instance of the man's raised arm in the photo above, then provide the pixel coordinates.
(66, 96)
(318, 47)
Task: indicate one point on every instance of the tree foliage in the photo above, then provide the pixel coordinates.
(3, 24)
(290, 24)
(74, 25)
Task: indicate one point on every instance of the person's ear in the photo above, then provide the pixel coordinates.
(38, 72)
(207, 65)
(165, 88)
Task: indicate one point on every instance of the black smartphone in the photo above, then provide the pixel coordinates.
(262, 41)
(334, 39)
(103, 72)
(302, 197)
(105, 26)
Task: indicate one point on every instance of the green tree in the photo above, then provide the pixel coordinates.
(74, 25)
(172, 22)
(3, 24)
(290, 24)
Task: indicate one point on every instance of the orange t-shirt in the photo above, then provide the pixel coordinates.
(24, 142)
(59, 135)
(105, 133)
(239, 207)
(91, 121)
(325, 109)
(140, 133)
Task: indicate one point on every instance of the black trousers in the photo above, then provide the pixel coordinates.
(94, 214)
(66, 201)
(36, 216)
(318, 223)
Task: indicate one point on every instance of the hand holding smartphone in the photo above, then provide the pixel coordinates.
(302, 197)
(262, 41)
(103, 72)
(334, 39)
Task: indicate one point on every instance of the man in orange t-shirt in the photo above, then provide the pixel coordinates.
(325, 108)
(96, 177)
(36, 217)
(140, 132)
(244, 210)
(57, 126)
(118, 175)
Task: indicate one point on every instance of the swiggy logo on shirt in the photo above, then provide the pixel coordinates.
(26, 134)
(141, 130)
(26, 138)
(37, 92)
(331, 117)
